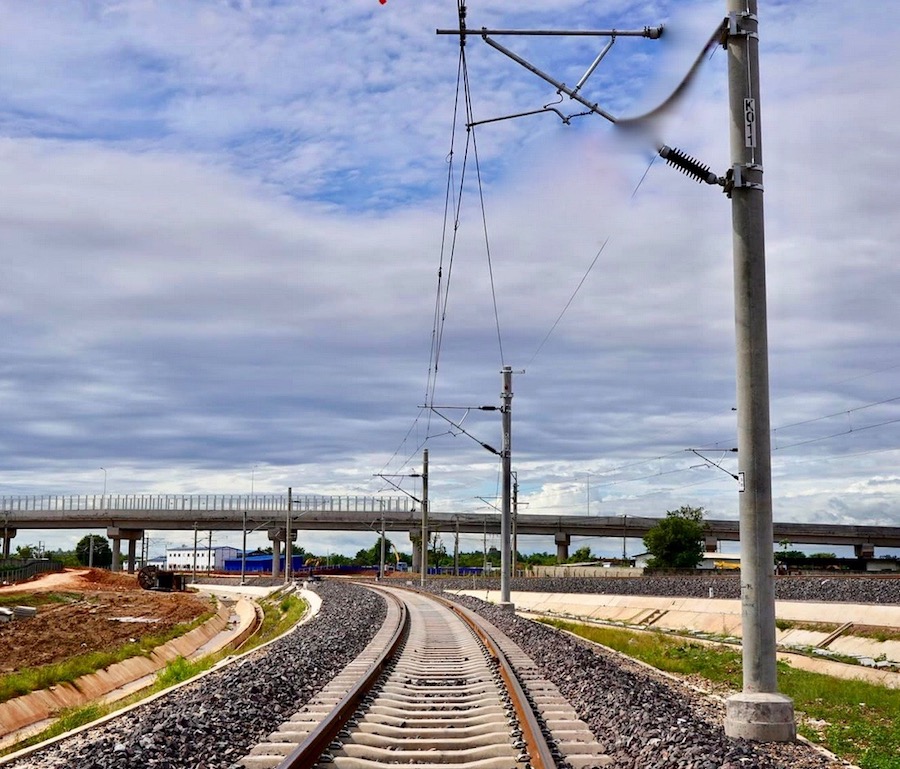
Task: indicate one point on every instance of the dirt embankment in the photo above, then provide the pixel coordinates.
(85, 611)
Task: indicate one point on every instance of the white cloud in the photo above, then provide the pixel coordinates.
(221, 230)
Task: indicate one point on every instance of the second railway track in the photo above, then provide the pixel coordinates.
(449, 691)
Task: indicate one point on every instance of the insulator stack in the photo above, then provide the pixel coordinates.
(688, 165)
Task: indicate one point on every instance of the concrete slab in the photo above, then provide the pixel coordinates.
(721, 617)
(235, 591)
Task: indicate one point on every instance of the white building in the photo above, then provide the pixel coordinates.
(206, 559)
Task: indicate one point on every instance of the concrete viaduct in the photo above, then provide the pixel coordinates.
(128, 516)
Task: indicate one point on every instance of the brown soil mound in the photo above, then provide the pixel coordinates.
(96, 611)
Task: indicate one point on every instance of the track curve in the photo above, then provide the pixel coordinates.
(448, 696)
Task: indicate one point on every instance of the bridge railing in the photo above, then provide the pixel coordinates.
(202, 502)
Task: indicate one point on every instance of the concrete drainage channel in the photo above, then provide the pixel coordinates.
(236, 620)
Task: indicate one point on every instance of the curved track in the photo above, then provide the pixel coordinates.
(435, 687)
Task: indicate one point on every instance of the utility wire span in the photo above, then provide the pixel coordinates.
(838, 413)
(837, 435)
(452, 202)
(568, 304)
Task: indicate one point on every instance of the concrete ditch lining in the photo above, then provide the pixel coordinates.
(229, 624)
(722, 618)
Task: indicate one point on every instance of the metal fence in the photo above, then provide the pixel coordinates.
(15, 570)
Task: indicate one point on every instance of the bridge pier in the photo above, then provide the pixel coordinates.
(117, 535)
(415, 539)
(8, 534)
(711, 543)
(563, 540)
(864, 550)
(277, 537)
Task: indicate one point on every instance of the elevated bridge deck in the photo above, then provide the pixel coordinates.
(360, 513)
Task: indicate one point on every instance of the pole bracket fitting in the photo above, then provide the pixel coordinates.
(735, 178)
(734, 26)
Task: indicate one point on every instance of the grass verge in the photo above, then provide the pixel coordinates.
(856, 720)
(175, 672)
(280, 613)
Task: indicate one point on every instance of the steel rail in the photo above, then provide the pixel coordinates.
(307, 754)
(536, 744)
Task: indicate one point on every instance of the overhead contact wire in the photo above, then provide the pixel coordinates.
(487, 242)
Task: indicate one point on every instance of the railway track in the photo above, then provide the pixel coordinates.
(437, 685)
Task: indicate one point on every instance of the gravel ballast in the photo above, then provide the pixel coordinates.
(644, 719)
(880, 590)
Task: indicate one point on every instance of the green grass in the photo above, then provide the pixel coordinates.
(280, 614)
(861, 721)
(37, 599)
(180, 669)
(72, 718)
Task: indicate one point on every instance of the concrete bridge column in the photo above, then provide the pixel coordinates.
(117, 535)
(416, 540)
(278, 537)
(864, 550)
(131, 555)
(711, 543)
(563, 540)
(8, 534)
(276, 553)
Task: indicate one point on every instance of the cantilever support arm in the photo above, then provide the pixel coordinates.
(561, 87)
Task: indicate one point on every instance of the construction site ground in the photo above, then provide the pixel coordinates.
(87, 610)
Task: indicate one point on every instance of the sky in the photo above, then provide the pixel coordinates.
(243, 244)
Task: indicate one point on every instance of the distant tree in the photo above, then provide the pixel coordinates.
(473, 559)
(540, 559)
(102, 551)
(372, 555)
(68, 558)
(581, 555)
(792, 556)
(25, 552)
(823, 556)
(437, 555)
(677, 540)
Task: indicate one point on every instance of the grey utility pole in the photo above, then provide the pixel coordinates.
(506, 396)
(424, 545)
(515, 523)
(759, 712)
(381, 557)
(288, 550)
